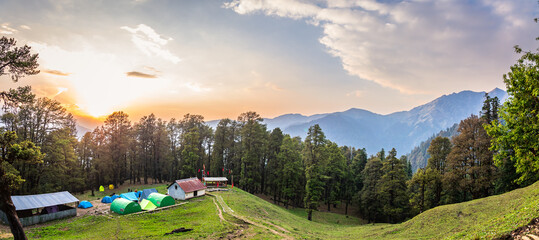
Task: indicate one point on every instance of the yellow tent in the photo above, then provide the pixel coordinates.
(147, 205)
(111, 187)
(101, 189)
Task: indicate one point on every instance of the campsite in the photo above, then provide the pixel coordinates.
(107, 203)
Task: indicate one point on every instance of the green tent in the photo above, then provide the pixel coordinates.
(101, 189)
(161, 200)
(124, 206)
(147, 205)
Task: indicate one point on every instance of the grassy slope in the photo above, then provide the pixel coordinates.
(482, 218)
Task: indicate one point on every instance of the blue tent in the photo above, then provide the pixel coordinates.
(114, 197)
(85, 204)
(139, 193)
(146, 193)
(106, 199)
(131, 196)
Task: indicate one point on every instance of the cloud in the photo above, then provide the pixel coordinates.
(273, 86)
(356, 93)
(26, 27)
(416, 47)
(196, 87)
(6, 29)
(140, 75)
(56, 72)
(150, 42)
(60, 90)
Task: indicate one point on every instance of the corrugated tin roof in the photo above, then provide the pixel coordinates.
(42, 200)
(190, 184)
(215, 179)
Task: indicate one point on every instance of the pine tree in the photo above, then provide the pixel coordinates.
(292, 173)
(315, 157)
(253, 141)
(438, 150)
(370, 204)
(334, 171)
(392, 190)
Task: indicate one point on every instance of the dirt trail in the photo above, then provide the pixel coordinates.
(229, 210)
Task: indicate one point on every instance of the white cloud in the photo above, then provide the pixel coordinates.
(356, 93)
(195, 87)
(413, 46)
(6, 29)
(151, 43)
(26, 27)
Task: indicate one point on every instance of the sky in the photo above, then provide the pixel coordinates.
(221, 58)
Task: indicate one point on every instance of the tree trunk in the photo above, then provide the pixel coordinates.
(6, 205)
(346, 208)
(310, 214)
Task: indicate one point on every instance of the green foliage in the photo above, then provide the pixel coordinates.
(315, 157)
(392, 189)
(15, 153)
(419, 156)
(253, 142)
(292, 177)
(16, 61)
(335, 172)
(371, 207)
(470, 172)
(515, 135)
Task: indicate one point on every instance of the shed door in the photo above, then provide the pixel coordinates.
(195, 193)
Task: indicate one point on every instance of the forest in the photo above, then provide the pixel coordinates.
(493, 152)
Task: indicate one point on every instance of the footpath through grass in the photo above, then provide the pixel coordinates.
(485, 218)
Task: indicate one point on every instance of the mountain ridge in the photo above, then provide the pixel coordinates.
(401, 130)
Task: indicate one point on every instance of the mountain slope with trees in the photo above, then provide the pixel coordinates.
(400, 130)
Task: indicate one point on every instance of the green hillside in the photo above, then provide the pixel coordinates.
(242, 215)
(483, 218)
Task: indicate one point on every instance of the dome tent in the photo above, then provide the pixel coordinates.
(114, 197)
(106, 199)
(85, 204)
(161, 200)
(124, 206)
(132, 196)
(147, 205)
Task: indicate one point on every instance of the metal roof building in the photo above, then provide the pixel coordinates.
(215, 179)
(42, 200)
(33, 209)
(186, 188)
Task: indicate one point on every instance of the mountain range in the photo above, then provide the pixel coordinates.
(400, 130)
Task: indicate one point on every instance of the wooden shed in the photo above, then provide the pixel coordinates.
(186, 188)
(33, 209)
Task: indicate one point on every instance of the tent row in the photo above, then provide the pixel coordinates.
(154, 200)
